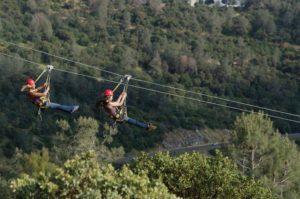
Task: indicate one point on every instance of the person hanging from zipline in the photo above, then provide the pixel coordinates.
(117, 110)
(42, 99)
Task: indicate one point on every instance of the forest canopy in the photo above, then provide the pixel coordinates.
(248, 54)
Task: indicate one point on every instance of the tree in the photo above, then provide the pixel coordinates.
(186, 64)
(4, 189)
(179, 34)
(296, 32)
(263, 153)
(145, 41)
(126, 24)
(83, 137)
(250, 138)
(82, 177)
(1, 28)
(155, 66)
(155, 5)
(263, 24)
(40, 23)
(283, 175)
(35, 163)
(125, 57)
(31, 5)
(137, 2)
(171, 55)
(214, 23)
(99, 8)
(241, 25)
(120, 4)
(272, 5)
(198, 176)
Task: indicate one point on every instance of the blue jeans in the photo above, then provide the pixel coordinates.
(65, 108)
(135, 122)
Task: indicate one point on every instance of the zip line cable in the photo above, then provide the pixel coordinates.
(152, 90)
(153, 83)
(176, 95)
(62, 58)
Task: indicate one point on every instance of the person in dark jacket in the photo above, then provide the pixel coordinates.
(41, 100)
(114, 110)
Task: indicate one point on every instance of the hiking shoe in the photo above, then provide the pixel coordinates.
(151, 127)
(75, 109)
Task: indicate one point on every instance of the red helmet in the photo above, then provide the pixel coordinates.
(108, 92)
(30, 82)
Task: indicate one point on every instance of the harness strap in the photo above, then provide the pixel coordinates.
(118, 85)
(45, 99)
(48, 80)
(40, 114)
(39, 77)
(125, 88)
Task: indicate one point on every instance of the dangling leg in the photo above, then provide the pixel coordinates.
(65, 108)
(139, 124)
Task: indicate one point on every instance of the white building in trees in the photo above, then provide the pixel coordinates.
(233, 3)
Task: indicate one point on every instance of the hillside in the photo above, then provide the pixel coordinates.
(216, 51)
(219, 55)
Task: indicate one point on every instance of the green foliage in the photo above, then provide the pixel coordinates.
(263, 24)
(248, 54)
(4, 189)
(82, 177)
(83, 136)
(263, 153)
(233, 53)
(41, 24)
(241, 25)
(86, 129)
(35, 163)
(99, 8)
(198, 176)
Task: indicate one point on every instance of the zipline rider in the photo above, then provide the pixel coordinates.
(42, 99)
(117, 110)
(112, 108)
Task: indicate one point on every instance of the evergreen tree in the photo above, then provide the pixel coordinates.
(40, 23)
(263, 153)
